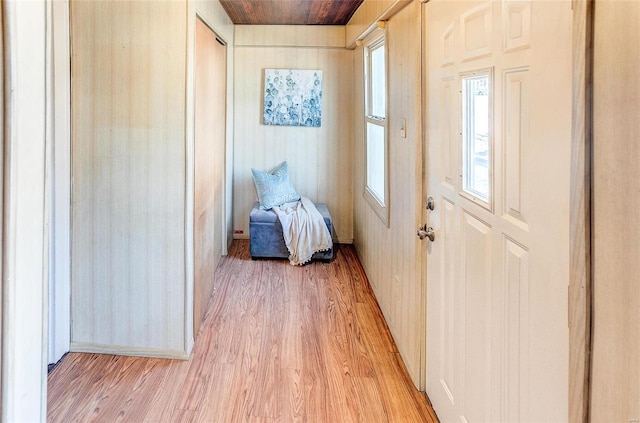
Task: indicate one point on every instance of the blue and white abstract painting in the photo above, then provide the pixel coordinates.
(292, 97)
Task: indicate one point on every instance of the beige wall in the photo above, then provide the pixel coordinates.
(367, 16)
(133, 160)
(128, 149)
(390, 255)
(133, 168)
(615, 391)
(320, 159)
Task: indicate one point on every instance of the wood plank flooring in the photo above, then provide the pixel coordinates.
(278, 344)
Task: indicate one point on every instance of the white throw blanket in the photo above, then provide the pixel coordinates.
(304, 230)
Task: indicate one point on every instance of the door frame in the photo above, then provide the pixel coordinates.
(59, 186)
(26, 141)
(580, 277)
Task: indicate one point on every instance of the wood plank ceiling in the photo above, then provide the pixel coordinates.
(290, 12)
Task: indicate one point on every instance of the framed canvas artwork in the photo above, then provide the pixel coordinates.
(292, 97)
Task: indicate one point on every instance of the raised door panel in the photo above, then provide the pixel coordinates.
(476, 326)
(516, 139)
(476, 32)
(516, 330)
(517, 24)
(449, 133)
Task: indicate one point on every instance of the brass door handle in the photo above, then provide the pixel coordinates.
(426, 232)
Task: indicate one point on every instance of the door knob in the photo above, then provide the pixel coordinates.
(426, 232)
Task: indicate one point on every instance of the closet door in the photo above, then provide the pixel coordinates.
(210, 100)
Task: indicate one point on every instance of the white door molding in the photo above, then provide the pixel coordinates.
(24, 245)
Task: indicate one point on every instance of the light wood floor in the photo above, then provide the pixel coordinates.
(279, 344)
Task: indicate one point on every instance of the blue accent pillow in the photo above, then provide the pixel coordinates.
(274, 188)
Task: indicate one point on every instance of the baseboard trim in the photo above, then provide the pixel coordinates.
(192, 343)
(85, 347)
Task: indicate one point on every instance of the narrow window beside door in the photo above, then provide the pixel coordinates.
(476, 134)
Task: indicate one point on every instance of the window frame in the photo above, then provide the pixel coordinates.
(379, 205)
(470, 194)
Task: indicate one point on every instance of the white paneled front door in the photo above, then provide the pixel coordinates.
(498, 119)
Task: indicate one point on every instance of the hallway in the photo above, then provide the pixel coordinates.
(278, 344)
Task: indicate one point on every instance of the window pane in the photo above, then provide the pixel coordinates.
(475, 136)
(378, 85)
(375, 160)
